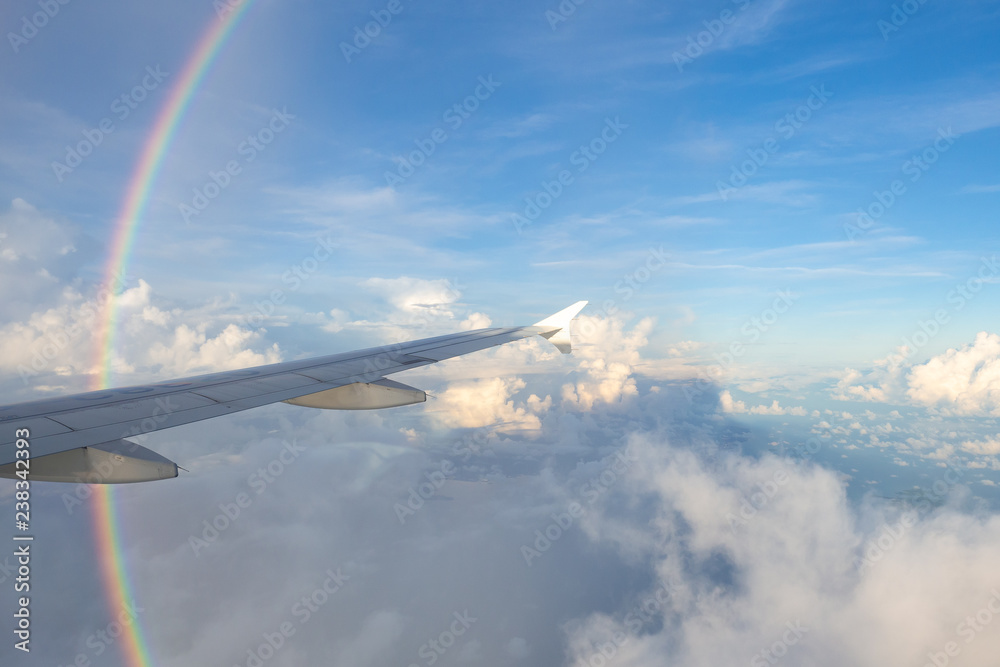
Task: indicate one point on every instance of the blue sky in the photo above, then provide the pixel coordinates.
(699, 172)
(655, 186)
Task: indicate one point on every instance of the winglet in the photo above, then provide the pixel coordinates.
(559, 335)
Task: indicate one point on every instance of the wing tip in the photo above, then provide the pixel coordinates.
(563, 317)
(559, 323)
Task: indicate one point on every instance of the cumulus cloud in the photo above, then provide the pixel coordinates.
(608, 356)
(405, 308)
(605, 362)
(416, 296)
(755, 386)
(153, 341)
(684, 348)
(730, 405)
(884, 382)
(740, 550)
(965, 381)
(475, 321)
(490, 402)
(768, 555)
(190, 348)
(989, 447)
(727, 403)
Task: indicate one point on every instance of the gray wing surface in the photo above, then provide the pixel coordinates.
(98, 419)
(81, 420)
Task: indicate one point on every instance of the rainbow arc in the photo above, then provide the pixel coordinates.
(107, 521)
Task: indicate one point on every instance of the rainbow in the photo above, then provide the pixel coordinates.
(107, 524)
(144, 177)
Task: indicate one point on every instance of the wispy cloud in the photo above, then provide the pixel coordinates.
(980, 189)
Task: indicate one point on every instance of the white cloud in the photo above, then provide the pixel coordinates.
(964, 381)
(684, 348)
(982, 447)
(410, 308)
(755, 386)
(191, 349)
(885, 382)
(608, 358)
(730, 405)
(152, 342)
(978, 189)
(489, 403)
(415, 296)
(475, 321)
(862, 588)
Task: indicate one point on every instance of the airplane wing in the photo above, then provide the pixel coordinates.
(84, 437)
